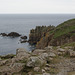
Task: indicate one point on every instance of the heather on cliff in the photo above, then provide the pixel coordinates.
(55, 36)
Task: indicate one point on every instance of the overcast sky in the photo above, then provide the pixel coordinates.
(37, 6)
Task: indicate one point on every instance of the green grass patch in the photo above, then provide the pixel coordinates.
(64, 28)
(68, 44)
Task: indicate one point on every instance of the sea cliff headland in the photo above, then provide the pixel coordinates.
(54, 53)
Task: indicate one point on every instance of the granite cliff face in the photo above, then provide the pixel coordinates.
(55, 36)
(39, 32)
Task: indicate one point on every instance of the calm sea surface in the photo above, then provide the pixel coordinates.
(22, 23)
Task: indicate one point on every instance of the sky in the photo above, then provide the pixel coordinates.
(37, 6)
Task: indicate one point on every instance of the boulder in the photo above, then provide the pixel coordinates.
(38, 51)
(14, 34)
(46, 74)
(3, 34)
(3, 62)
(23, 37)
(72, 53)
(16, 67)
(34, 62)
(61, 50)
(51, 54)
(43, 56)
(36, 69)
(22, 53)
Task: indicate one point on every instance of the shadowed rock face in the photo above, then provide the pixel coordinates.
(39, 32)
(23, 37)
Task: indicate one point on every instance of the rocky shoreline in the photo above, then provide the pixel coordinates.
(48, 61)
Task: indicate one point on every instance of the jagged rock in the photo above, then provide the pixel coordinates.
(48, 48)
(72, 53)
(36, 69)
(12, 34)
(3, 34)
(22, 53)
(46, 74)
(16, 67)
(60, 53)
(37, 33)
(43, 71)
(44, 56)
(61, 50)
(3, 62)
(51, 54)
(47, 69)
(34, 62)
(23, 37)
(38, 51)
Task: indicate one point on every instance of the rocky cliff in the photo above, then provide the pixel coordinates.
(56, 36)
(39, 32)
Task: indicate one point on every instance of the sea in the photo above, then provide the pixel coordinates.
(22, 24)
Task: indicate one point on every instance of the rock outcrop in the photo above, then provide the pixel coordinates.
(62, 34)
(45, 61)
(12, 34)
(39, 32)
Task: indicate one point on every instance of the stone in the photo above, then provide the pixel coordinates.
(59, 53)
(4, 62)
(46, 74)
(23, 37)
(3, 34)
(34, 62)
(72, 53)
(38, 51)
(43, 71)
(47, 69)
(16, 67)
(36, 69)
(43, 56)
(22, 53)
(51, 54)
(61, 50)
(14, 34)
(48, 48)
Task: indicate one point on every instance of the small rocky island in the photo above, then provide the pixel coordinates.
(54, 53)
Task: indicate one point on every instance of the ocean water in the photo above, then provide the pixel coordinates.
(23, 23)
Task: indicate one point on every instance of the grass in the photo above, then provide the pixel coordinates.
(7, 56)
(68, 44)
(64, 28)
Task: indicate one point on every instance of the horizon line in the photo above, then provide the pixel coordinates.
(37, 13)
